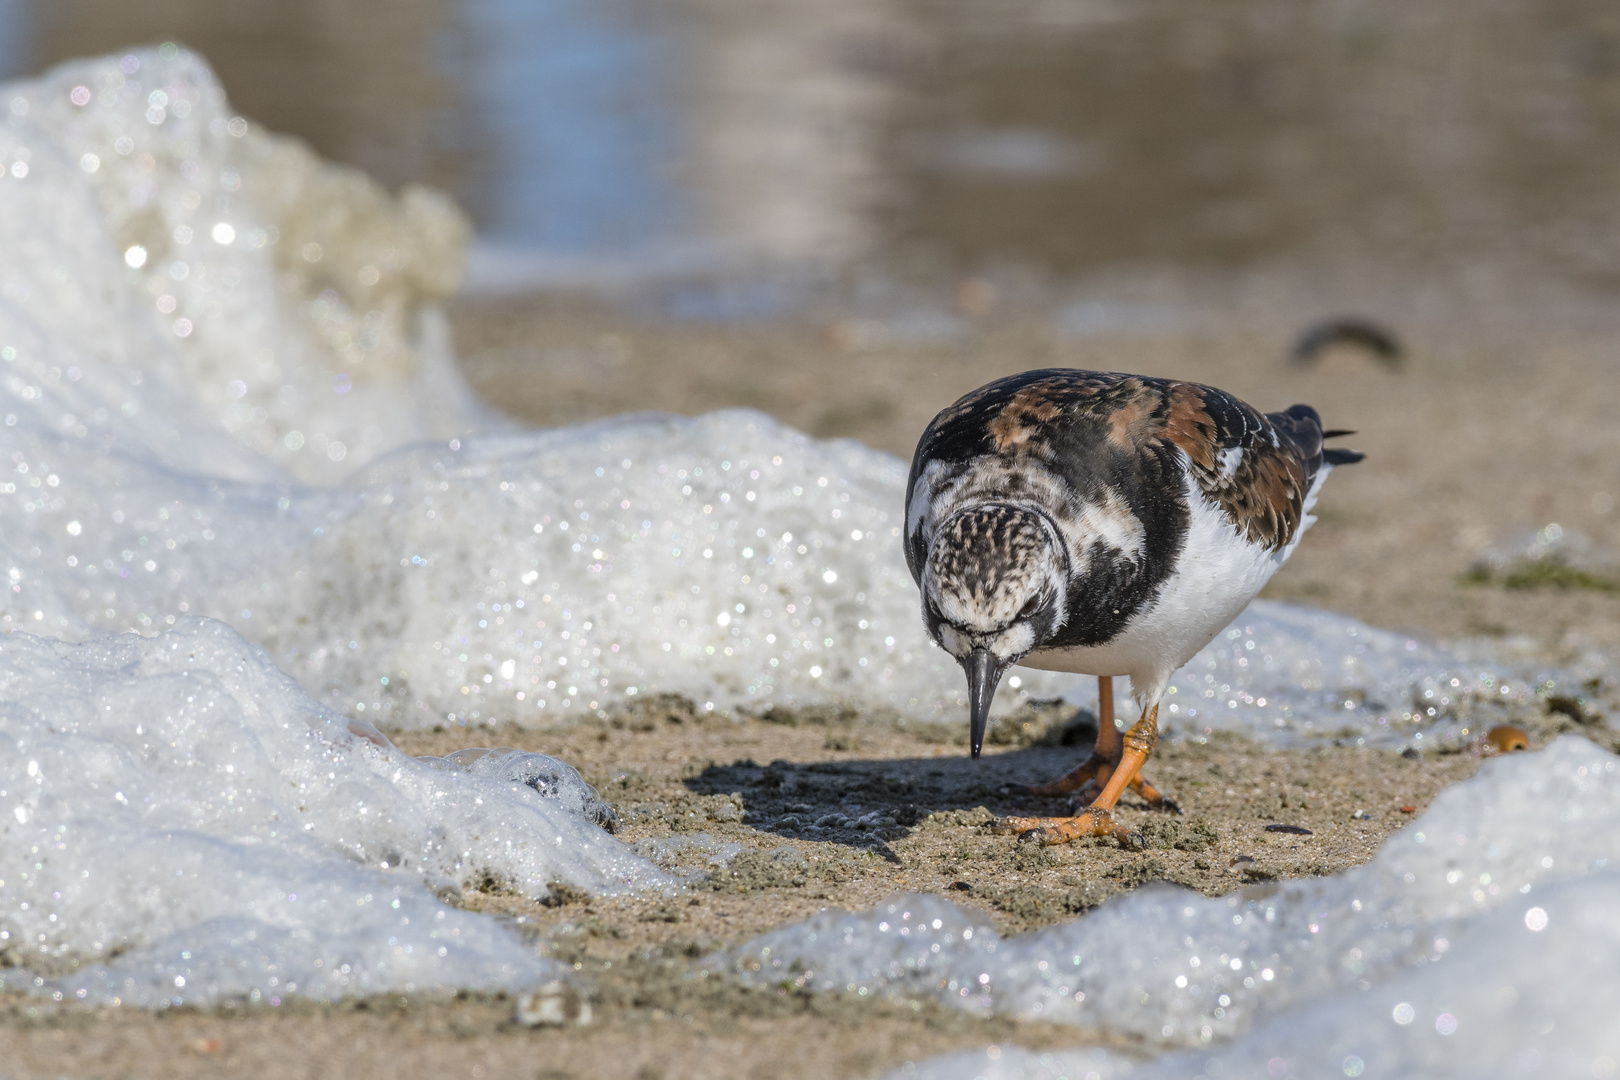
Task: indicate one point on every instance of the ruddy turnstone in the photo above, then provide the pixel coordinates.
(1103, 524)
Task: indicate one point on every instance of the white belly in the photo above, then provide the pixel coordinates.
(1218, 573)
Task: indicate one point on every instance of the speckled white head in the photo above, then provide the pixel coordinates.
(994, 580)
(993, 591)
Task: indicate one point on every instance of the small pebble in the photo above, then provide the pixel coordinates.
(1408, 809)
(556, 1004)
(1297, 830)
(1505, 738)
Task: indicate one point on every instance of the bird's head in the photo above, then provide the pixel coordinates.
(993, 591)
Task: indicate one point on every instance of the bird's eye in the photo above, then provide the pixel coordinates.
(1029, 608)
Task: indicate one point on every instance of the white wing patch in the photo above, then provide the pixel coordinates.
(1112, 522)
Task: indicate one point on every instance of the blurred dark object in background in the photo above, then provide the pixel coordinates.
(1361, 334)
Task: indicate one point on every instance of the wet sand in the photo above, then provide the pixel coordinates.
(1485, 431)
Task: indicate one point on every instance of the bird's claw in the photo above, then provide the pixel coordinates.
(1088, 822)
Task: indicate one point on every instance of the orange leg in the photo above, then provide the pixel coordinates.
(1104, 755)
(1091, 776)
(1095, 820)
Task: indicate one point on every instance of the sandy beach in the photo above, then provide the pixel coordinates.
(1480, 435)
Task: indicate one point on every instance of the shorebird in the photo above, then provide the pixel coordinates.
(1103, 524)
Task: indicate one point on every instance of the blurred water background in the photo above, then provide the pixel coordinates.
(612, 139)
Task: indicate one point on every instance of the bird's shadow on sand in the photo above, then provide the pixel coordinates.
(866, 803)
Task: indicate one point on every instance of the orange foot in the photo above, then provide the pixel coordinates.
(1093, 821)
(1124, 772)
(1090, 778)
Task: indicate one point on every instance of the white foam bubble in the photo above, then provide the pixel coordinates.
(179, 801)
(1446, 902)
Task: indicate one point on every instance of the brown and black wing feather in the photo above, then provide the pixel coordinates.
(1115, 437)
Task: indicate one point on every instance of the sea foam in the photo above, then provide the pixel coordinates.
(179, 804)
(1453, 948)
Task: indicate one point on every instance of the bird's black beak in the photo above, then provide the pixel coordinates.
(983, 673)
